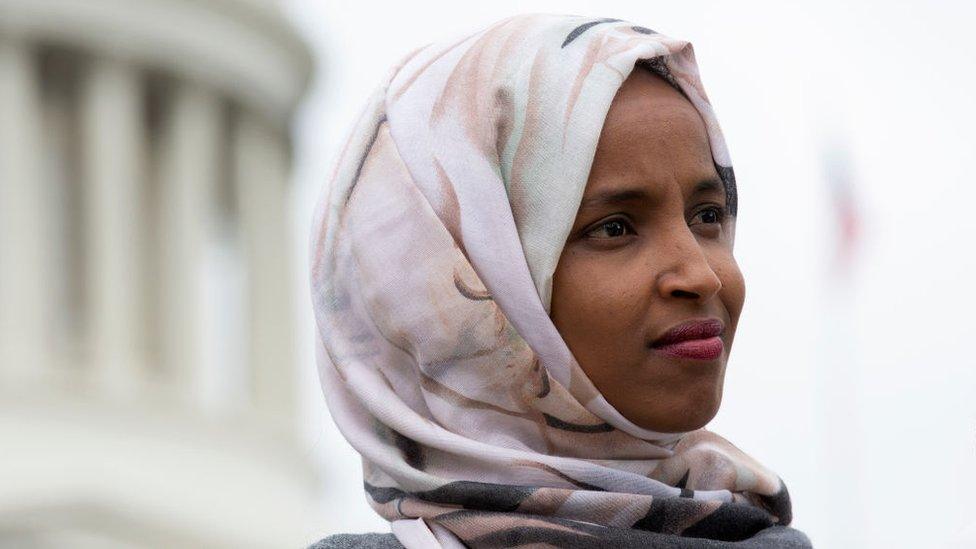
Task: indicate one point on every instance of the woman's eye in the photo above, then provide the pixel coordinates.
(611, 228)
(712, 215)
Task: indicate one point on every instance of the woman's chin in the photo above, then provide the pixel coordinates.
(682, 417)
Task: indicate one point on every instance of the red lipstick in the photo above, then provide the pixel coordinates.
(696, 339)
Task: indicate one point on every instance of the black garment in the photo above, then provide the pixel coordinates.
(358, 541)
(778, 537)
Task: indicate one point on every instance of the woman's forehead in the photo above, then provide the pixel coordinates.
(646, 105)
(672, 150)
(649, 174)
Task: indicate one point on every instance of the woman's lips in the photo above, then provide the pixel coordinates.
(700, 349)
(699, 339)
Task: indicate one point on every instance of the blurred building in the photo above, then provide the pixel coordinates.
(147, 361)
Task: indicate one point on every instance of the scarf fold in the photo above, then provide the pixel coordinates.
(432, 253)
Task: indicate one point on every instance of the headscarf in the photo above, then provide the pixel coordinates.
(433, 249)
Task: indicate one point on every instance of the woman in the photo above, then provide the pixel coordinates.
(525, 292)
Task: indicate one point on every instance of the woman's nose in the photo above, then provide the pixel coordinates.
(688, 273)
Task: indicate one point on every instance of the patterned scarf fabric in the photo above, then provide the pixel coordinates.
(432, 254)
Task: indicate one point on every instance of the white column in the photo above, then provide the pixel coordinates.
(189, 169)
(112, 139)
(25, 328)
(261, 174)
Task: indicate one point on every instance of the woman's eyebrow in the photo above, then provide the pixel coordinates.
(708, 186)
(613, 197)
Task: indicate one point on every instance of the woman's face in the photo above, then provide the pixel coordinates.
(651, 248)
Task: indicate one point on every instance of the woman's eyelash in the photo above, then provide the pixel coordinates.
(720, 211)
(618, 223)
(622, 226)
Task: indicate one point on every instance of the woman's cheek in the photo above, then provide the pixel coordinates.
(732, 293)
(604, 289)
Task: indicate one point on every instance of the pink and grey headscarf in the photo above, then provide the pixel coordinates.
(432, 254)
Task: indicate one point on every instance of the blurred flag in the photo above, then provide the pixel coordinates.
(846, 218)
(838, 381)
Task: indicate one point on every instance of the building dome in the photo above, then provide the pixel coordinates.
(147, 326)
